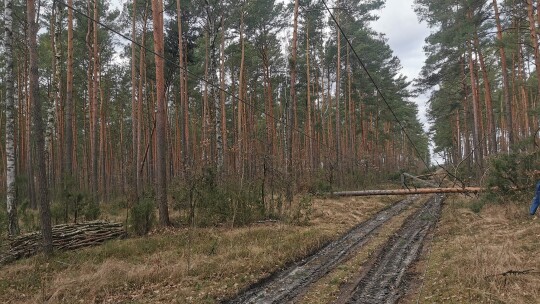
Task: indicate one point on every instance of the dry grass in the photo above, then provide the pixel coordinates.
(474, 254)
(180, 266)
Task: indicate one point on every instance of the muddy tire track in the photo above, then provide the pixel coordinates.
(293, 281)
(385, 279)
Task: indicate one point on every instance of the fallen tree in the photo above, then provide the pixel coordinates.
(410, 191)
(65, 237)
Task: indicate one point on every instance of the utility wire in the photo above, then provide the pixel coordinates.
(374, 83)
(194, 76)
(380, 92)
(185, 69)
(270, 116)
(252, 137)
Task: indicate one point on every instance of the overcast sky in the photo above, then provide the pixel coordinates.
(406, 35)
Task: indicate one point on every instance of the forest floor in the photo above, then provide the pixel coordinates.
(489, 256)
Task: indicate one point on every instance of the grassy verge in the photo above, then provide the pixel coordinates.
(483, 255)
(201, 265)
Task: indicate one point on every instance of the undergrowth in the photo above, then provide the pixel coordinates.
(510, 177)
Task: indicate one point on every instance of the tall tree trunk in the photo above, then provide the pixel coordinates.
(57, 100)
(521, 76)
(506, 82)
(338, 82)
(183, 92)
(68, 160)
(29, 142)
(161, 118)
(94, 106)
(239, 129)
(466, 136)
(103, 176)
(458, 145)
(215, 98)
(476, 110)
(492, 134)
(90, 87)
(269, 107)
(134, 114)
(11, 190)
(352, 112)
(534, 38)
(205, 144)
(141, 96)
(222, 93)
(41, 177)
(49, 107)
(309, 131)
(291, 107)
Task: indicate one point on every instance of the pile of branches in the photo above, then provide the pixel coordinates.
(65, 237)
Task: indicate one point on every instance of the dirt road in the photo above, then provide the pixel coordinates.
(385, 281)
(292, 282)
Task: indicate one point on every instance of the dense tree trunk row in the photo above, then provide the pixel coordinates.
(206, 86)
(489, 61)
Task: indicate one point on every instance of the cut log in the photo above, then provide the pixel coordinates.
(65, 237)
(411, 191)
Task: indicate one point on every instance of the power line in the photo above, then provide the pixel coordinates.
(374, 83)
(380, 92)
(215, 86)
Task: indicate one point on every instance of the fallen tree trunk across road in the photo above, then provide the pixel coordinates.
(410, 191)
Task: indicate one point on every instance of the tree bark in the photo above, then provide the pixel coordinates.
(310, 133)
(476, 110)
(94, 106)
(222, 96)
(504, 71)
(409, 192)
(291, 106)
(338, 82)
(134, 116)
(205, 144)
(161, 118)
(183, 92)
(534, 38)
(11, 189)
(55, 118)
(492, 134)
(68, 160)
(240, 115)
(141, 95)
(41, 177)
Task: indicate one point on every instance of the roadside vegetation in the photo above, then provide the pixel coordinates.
(187, 265)
(483, 256)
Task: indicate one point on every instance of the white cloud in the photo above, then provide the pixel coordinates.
(406, 36)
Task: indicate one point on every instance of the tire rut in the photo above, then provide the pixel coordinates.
(293, 281)
(386, 281)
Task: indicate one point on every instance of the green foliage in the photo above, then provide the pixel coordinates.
(70, 203)
(510, 176)
(203, 201)
(303, 210)
(477, 205)
(58, 213)
(143, 215)
(91, 211)
(320, 184)
(28, 218)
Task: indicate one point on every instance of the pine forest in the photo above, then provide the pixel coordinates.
(228, 140)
